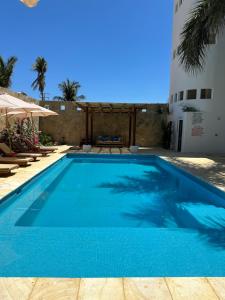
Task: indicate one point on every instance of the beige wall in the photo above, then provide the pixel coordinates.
(70, 124)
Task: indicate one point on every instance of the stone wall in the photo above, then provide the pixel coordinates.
(69, 125)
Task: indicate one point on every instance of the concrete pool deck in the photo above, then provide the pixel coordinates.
(210, 168)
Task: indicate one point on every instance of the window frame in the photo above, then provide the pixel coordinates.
(181, 92)
(206, 90)
(191, 98)
(175, 98)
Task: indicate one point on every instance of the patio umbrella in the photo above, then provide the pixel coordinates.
(12, 103)
(30, 3)
(42, 112)
(9, 104)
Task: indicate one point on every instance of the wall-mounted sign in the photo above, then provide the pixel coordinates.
(197, 131)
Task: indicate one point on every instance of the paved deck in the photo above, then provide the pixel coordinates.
(210, 168)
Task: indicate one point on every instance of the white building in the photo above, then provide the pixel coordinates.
(204, 130)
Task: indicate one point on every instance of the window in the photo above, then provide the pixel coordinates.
(47, 106)
(62, 107)
(171, 99)
(175, 98)
(206, 94)
(181, 96)
(191, 94)
(176, 7)
(180, 2)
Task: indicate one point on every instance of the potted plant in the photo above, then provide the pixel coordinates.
(134, 148)
(86, 148)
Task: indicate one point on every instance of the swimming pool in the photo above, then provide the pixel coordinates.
(113, 216)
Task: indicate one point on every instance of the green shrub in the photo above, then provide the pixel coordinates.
(45, 139)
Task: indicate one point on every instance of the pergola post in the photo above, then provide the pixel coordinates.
(130, 127)
(87, 124)
(92, 123)
(134, 125)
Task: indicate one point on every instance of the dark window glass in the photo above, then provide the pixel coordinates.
(191, 94)
(206, 94)
(175, 98)
(181, 96)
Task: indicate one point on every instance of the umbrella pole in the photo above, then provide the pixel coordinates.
(7, 128)
(32, 126)
(6, 119)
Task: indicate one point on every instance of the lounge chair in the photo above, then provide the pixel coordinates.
(7, 169)
(22, 162)
(39, 149)
(9, 153)
(48, 148)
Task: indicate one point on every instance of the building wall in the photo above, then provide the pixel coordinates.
(69, 125)
(198, 131)
(213, 138)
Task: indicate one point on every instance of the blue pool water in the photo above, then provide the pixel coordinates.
(113, 216)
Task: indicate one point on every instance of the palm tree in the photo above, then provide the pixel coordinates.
(206, 19)
(6, 71)
(40, 66)
(69, 91)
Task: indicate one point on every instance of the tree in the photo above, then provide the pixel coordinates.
(6, 71)
(69, 91)
(40, 67)
(206, 19)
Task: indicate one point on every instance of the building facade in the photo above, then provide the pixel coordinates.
(197, 102)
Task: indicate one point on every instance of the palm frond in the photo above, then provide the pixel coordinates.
(6, 71)
(40, 67)
(69, 90)
(207, 18)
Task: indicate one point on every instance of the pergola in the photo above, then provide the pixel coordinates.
(92, 108)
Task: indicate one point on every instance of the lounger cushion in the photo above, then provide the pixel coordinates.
(14, 159)
(28, 155)
(7, 168)
(48, 148)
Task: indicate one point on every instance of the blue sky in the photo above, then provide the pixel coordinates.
(119, 50)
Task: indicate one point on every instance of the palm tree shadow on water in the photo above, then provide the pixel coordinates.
(170, 207)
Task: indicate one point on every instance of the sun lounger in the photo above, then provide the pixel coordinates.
(48, 148)
(23, 162)
(7, 169)
(39, 149)
(9, 153)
